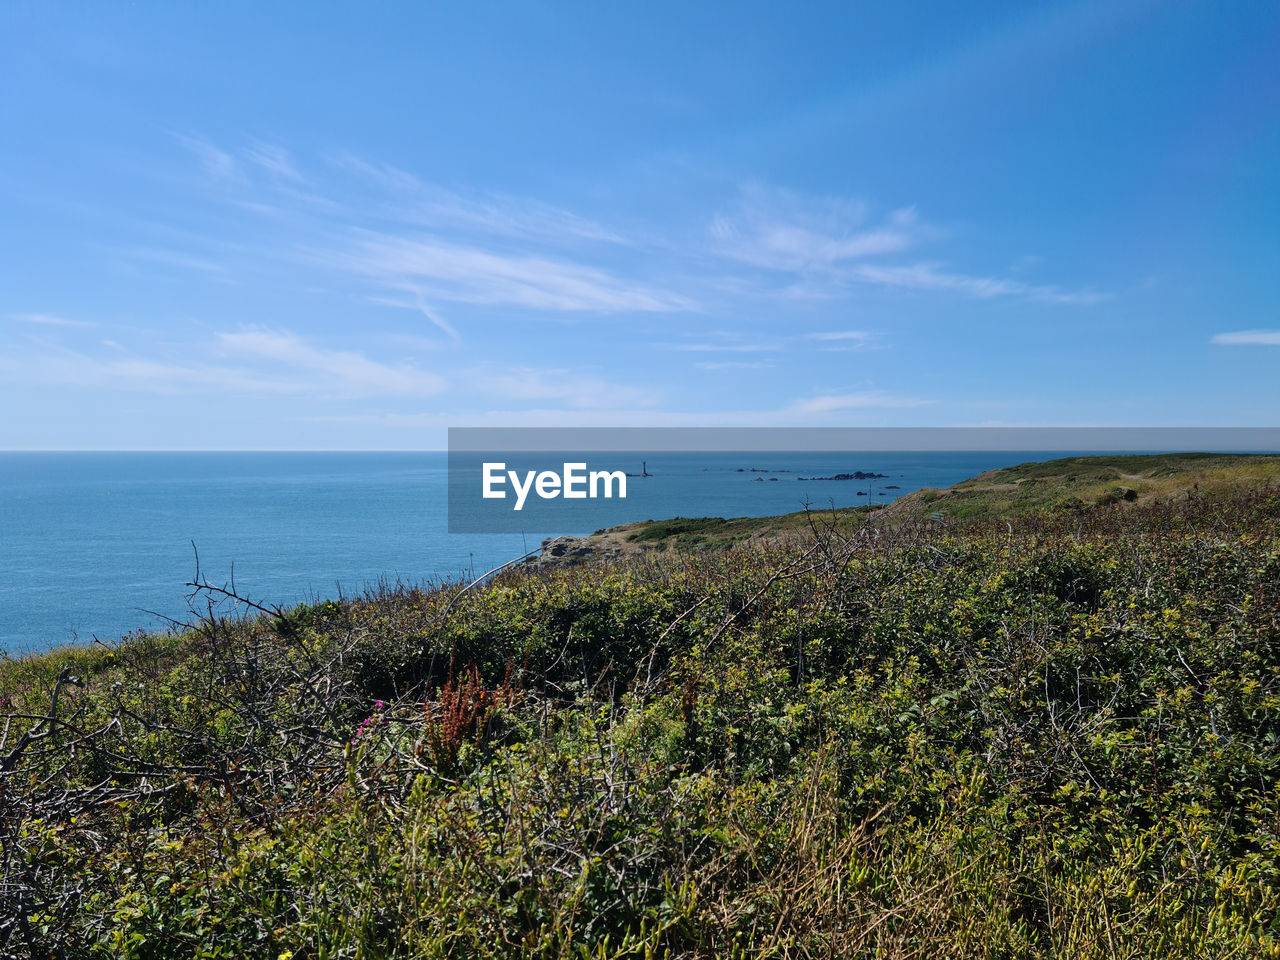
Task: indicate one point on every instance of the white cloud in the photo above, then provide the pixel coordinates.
(733, 343)
(434, 317)
(275, 160)
(734, 365)
(725, 347)
(70, 368)
(342, 371)
(924, 276)
(866, 399)
(48, 320)
(574, 389)
(414, 342)
(245, 362)
(176, 258)
(383, 174)
(424, 247)
(778, 230)
(437, 208)
(215, 162)
(444, 246)
(501, 215)
(451, 271)
(1248, 338)
(620, 415)
(841, 336)
(826, 243)
(167, 377)
(417, 303)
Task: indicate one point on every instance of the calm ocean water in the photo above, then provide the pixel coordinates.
(94, 544)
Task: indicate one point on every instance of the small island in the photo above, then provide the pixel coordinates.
(856, 475)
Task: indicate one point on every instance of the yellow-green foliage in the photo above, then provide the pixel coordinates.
(1056, 737)
(1073, 484)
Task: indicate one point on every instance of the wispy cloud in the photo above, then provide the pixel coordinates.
(417, 303)
(242, 362)
(263, 362)
(500, 215)
(407, 237)
(725, 347)
(404, 235)
(925, 276)
(48, 320)
(462, 273)
(430, 205)
(578, 400)
(829, 244)
(572, 388)
(342, 371)
(861, 400)
(779, 230)
(533, 416)
(234, 164)
(384, 175)
(176, 258)
(275, 160)
(857, 337)
(734, 365)
(434, 317)
(50, 365)
(722, 342)
(214, 161)
(1248, 338)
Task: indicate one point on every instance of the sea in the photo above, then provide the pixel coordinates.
(94, 546)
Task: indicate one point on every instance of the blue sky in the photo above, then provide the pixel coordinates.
(350, 226)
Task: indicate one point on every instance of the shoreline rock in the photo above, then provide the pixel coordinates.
(568, 551)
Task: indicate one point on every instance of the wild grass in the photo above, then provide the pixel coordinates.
(713, 534)
(1076, 483)
(1055, 734)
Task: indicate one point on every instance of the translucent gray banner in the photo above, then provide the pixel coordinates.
(545, 481)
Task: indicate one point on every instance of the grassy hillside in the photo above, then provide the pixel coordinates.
(1056, 734)
(1078, 483)
(1072, 484)
(692, 534)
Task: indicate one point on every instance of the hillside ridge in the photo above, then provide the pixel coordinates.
(1123, 481)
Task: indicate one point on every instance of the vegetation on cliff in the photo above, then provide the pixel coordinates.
(1078, 483)
(1052, 733)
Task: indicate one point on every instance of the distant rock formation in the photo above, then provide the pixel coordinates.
(856, 475)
